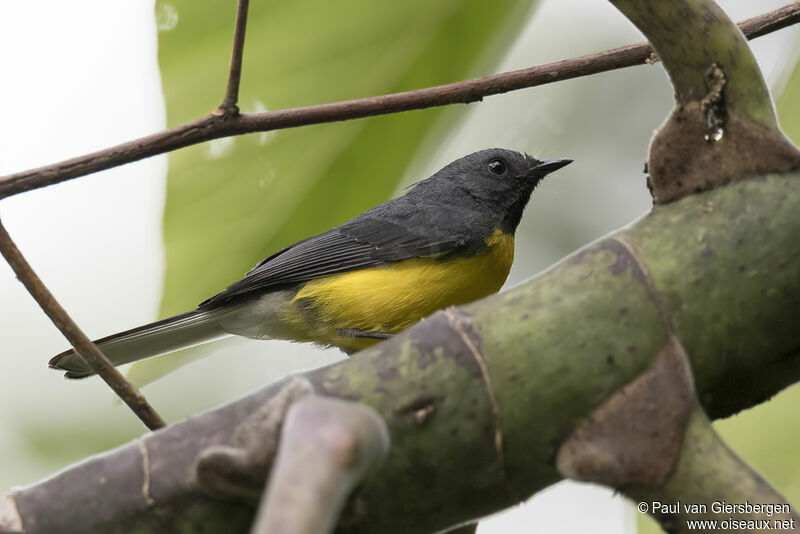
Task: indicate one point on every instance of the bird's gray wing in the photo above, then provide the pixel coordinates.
(361, 243)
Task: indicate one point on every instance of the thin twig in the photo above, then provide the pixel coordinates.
(770, 22)
(228, 106)
(216, 126)
(126, 391)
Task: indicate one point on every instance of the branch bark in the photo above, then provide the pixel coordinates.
(228, 106)
(652, 442)
(723, 127)
(129, 394)
(215, 126)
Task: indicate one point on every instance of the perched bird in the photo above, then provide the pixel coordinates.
(449, 240)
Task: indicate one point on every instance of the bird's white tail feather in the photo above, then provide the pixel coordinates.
(145, 341)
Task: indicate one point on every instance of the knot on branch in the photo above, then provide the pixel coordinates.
(226, 111)
(713, 104)
(702, 146)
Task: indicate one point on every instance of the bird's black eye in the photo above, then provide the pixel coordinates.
(497, 166)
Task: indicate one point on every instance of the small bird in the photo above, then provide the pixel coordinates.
(448, 241)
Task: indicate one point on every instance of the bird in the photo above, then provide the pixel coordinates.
(447, 241)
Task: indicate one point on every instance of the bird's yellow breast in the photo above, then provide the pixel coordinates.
(390, 298)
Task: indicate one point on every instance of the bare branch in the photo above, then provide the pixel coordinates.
(126, 391)
(216, 126)
(228, 106)
(769, 22)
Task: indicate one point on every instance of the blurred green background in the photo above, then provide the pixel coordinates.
(233, 201)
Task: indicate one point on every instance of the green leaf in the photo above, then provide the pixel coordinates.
(789, 106)
(232, 202)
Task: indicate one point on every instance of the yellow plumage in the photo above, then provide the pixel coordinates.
(393, 297)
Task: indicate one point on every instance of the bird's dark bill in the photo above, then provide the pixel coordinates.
(551, 165)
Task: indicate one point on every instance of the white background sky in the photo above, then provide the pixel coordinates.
(83, 75)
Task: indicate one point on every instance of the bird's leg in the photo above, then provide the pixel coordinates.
(355, 332)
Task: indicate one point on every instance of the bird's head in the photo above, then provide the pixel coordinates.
(494, 180)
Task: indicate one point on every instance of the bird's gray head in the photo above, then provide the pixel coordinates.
(495, 180)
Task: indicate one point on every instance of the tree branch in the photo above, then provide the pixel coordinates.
(126, 391)
(652, 441)
(464, 92)
(769, 22)
(228, 106)
(723, 127)
(327, 447)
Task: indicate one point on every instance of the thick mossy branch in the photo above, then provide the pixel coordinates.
(724, 126)
(636, 436)
(652, 442)
(716, 270)
(725, 265)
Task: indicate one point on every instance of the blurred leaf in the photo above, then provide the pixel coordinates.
(789, 106)
(232, 202)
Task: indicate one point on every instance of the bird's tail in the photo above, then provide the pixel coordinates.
(151, 339)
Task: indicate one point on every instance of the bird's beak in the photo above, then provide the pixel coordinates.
(546, 167)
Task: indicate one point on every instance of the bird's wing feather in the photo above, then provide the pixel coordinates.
(361, 243)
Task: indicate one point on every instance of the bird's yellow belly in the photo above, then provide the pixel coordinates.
(391, 298)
